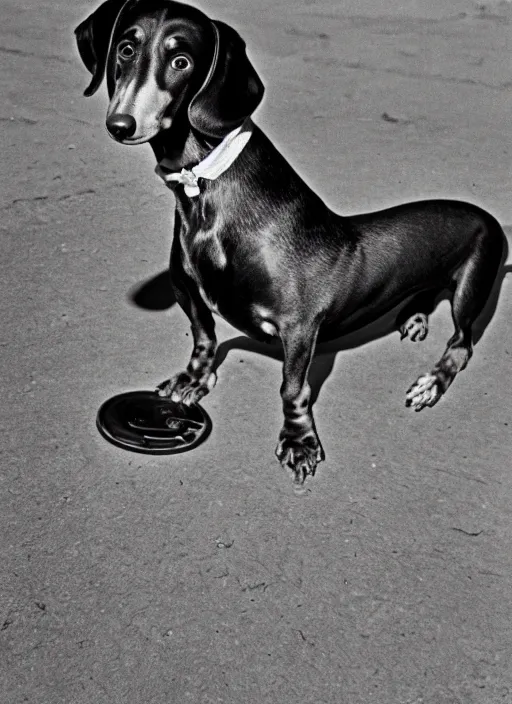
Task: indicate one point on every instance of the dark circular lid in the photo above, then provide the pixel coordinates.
(143, 421)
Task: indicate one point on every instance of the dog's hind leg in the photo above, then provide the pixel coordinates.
(473, 282)
(299, 447)
(412, 321)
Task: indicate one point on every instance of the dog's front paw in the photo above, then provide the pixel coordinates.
(186, 388)
(416, 328)
(426, 391)
(301, 455)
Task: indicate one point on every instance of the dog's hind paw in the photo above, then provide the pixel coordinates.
(415, 328)
(187, 389)
(301, 455)
(426, 391)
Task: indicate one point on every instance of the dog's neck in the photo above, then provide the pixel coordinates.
(181, 147)
(211, 166)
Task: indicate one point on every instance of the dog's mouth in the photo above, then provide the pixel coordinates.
(125, 129)
(133, 141)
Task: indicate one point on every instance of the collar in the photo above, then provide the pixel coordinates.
(212, 166)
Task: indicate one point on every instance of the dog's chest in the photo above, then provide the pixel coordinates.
(229, 271)
(203, 253)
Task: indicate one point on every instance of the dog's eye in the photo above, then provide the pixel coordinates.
(126, 50)
(180, 63)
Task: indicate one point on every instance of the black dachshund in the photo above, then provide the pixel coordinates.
(252, 243)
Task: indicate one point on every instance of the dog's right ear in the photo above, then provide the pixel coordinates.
(93, 39)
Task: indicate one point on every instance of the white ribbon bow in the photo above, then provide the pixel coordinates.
(212, 166)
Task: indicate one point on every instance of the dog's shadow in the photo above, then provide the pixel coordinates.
(156, 294)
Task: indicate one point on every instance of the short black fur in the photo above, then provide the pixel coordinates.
(261, 249)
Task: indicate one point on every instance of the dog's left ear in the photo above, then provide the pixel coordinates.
(232, 90)
(93, 40)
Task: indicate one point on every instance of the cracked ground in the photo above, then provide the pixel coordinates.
(202, 577)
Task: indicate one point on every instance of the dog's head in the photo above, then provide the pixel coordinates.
(161, 59)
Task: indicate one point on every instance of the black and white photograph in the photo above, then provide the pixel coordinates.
(256, 349)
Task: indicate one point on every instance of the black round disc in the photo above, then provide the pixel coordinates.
(143, 421)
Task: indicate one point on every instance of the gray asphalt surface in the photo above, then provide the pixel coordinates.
(202, 577)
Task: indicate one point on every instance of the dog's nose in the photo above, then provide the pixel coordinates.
(121, 126)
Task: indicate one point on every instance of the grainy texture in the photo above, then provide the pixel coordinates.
(202, 577)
